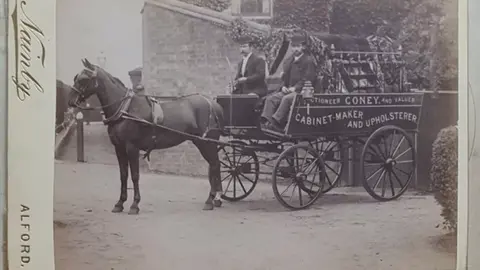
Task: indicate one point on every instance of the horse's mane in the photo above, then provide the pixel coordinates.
(116, 81)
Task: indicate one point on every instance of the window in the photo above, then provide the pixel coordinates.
(254, 9)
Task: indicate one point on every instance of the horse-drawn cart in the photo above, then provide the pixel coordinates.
(308, 158)
(365, 101)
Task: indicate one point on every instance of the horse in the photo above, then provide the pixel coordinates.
(61, 104)
(138, 122)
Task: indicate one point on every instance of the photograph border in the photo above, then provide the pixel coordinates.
(463, 137)
(31, 82)
(31, 175)
(3, 132)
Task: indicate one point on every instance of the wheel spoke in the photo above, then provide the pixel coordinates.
(404, 161)
(384, 186)
(398, 146)
(293, 191)
(391, 143)
(313, 183)
(228, 158)
(374, 173)
(375, 152)
(374, 164)
(385, 147)
(398, 179)
(410, 175)
(233, 156)
(328, 179)
(403, 153)
(391, 183)
(300, 196)
(228, 166)
(402, 171)
(234, 186)
(246, 162)
(228, 185)
(378, 179)
(241, 184)
(244, 176)
(328, 166)
(287, 188)
(226, 177)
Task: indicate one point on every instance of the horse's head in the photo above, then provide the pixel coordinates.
(85, 84)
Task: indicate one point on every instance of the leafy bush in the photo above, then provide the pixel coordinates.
(444, 174)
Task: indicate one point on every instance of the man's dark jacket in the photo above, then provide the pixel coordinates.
(255, 74)
(295, 73)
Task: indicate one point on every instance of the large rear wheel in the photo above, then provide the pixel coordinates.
(388, 163)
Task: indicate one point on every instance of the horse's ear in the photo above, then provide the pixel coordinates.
(84, 63)
(89, 65)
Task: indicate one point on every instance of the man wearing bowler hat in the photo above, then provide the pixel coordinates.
(297, 69)
(250, 78)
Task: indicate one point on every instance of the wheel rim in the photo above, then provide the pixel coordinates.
(331, 152)
(298, 177)
(389, 163)
(239, 172)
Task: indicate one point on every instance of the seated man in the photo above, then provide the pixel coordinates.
(250, 78)
(297, 69)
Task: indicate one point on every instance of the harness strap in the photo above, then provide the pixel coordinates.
(121, 109)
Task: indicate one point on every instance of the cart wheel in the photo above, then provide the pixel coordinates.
(239, 169)
(300, 171)
(388, 163)
(332, 154)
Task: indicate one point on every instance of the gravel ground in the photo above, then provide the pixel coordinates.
(344, 230)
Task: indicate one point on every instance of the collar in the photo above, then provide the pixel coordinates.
(248, 56)
(295, 58)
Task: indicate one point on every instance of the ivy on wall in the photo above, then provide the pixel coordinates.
(217, 5)
(310, 15)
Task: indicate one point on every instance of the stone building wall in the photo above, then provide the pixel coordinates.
(185, 50)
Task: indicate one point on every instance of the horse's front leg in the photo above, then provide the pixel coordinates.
(122, 158)
(133, 160)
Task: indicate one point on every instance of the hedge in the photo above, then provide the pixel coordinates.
(444, 175)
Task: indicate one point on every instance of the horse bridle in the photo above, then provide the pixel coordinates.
(82, 98)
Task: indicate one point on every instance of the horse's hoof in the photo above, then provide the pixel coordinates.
(208, 206)
(217, 203)
(117, 209)
(133, 211)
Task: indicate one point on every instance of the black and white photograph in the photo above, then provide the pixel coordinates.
(250, 134)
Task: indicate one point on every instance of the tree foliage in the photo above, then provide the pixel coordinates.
(426, 29)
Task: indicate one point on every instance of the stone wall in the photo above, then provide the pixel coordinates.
(185, 51)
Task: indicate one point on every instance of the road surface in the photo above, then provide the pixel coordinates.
(341, 231)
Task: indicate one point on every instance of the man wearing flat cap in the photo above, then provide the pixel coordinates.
(297, 69)
(250, 78)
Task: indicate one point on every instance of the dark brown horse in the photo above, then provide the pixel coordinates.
(129, 117)
(61, 104)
